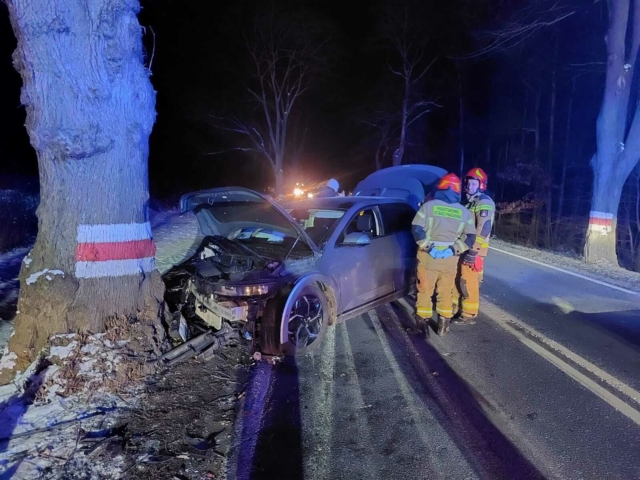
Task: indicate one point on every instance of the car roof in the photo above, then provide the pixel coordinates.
(342, 203)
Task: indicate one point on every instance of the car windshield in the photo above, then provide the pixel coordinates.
(318, 223)
(265, 234)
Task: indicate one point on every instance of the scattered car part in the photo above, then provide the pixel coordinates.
(198, 345)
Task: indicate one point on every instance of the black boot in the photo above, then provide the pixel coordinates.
(465, 320)
(443, 326)
(418, 329)
(426, 331)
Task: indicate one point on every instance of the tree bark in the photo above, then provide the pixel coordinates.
(614, 159)
(601, 241)
(90, 110)
(565, 158)
(535, 221)
(398, 155)
(461, 120)
(549, 162)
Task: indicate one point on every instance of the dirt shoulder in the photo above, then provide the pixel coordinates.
(601, 271)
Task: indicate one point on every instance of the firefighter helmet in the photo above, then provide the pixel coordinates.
(450, 182)
(480, 175)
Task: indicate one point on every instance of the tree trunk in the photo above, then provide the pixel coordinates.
(535, 221)
(523, 131)
(549, 162)
(461, 120)
(565, 159)
(614, 159)
(90, 110)
(601, 243)
(398, 155)
(278, 174)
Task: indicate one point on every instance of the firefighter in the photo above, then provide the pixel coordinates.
(471, 269)
(443, 229)
(329, 190)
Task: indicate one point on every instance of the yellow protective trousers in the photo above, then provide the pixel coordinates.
(435, 276)
(466, 298)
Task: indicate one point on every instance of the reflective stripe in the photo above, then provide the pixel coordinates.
(423, 243)
(442, 244)
(445, 312)
(461, 245)
(421, 214)
(468, 307)
(424, 312)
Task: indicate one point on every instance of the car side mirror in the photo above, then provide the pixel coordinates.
(357, 239)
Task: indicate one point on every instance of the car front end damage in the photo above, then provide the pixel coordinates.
(228, 286)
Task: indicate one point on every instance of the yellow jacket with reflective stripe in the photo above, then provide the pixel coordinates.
(483, 209)
(444, 224)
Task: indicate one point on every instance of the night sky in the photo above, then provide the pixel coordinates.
(199, 56)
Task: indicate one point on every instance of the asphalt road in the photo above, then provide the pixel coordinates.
(544, 386)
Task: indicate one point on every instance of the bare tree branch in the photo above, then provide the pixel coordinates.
(286, 53)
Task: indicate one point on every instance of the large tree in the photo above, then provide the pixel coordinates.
(402, 30)
(618, 124)
(288, 54)
(90, 110)
(617, 130)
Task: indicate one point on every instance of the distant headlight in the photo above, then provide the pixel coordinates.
(298, 192)
(310, 195)
(243, 290)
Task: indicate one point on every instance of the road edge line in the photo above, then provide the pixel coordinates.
(616, 402)
(568, 272)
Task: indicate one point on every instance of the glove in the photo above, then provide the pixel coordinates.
(473, 261)
(478, 266)
(435, 253)
(469, 260)
(447, 253)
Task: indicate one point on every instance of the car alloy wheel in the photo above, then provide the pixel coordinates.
(306, 321)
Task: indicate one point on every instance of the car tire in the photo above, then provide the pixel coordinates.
(308, 299)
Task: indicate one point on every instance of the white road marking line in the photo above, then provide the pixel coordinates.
(503, 319)
(418, 410)
(372, 467)
(317, 421)
(568, 272)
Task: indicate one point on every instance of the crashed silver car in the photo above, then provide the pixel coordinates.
(282, 274)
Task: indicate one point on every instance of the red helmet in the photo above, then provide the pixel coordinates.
(450, 182)
(480, 175)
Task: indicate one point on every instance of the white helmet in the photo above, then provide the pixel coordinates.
(333, 184)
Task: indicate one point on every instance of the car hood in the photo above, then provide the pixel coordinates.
(221, 211)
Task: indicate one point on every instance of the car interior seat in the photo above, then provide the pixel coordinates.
(365, 224)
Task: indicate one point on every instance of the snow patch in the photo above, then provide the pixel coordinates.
(27, 261)
(8, 360)
(63, 352)
(33, 278)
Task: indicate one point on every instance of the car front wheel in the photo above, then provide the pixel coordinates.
(307, 321)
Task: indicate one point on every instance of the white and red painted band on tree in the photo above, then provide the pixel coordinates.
(600, 222)
(114, 250)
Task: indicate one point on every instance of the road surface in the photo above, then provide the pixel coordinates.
(544, 386)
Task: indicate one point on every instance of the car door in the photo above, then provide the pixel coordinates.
(396, 224)
(360, 280)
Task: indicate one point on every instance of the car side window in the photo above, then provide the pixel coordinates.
(396, 217)
(364, 221)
